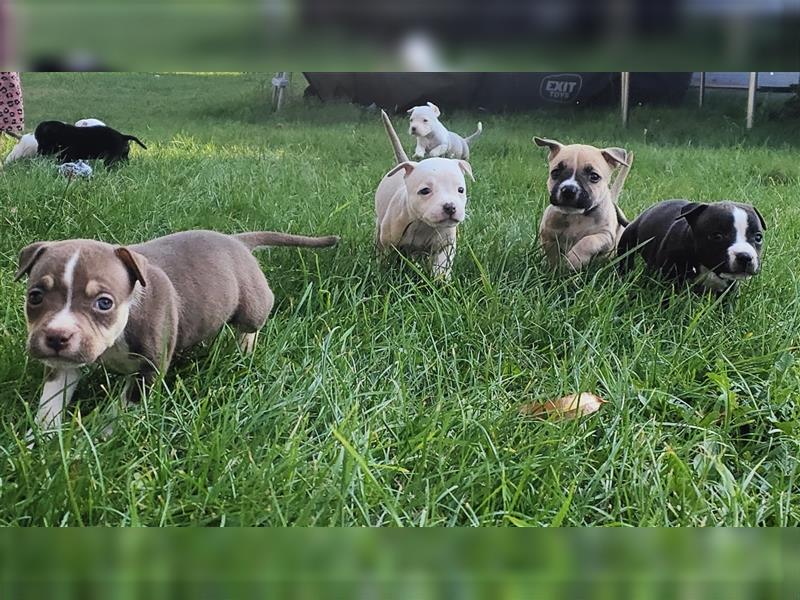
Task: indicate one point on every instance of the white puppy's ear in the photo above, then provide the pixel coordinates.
(411, 110)
(466, 169)
(615, 156)
(435, 109)
(555, 147)
(407, 166)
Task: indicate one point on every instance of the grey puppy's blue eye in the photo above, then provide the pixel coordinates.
(104, 303)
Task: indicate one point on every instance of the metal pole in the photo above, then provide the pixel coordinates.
(624, 96)
(751, 98)
(702, 95)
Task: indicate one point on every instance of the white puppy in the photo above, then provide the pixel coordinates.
(27, 145)
(433, 138)
(418, 206)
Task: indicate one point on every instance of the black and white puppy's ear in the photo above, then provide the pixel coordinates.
(760, 218)
(692, 211)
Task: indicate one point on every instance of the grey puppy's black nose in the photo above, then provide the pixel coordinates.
(57, 341)
(449, 208)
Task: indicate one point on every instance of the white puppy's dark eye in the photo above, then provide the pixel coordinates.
(594, 177)
(424, 120)
(35, 297)
(461, 190)
(424, 191)
(758, 238)
(716, 237)
(104, 303)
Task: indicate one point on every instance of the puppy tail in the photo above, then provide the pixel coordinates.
(619, 182)
(475, 135)
(133, 138)
(399, 154)
(258, 239)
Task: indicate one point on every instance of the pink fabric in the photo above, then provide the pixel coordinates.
(12, 113)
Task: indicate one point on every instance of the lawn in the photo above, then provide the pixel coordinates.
(378, 398)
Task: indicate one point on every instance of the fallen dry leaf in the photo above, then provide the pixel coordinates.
(568, 407)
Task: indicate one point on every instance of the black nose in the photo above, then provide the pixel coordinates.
(57, 341)
(744, 258)
(569, 192)
(449, 208)
(413, 130)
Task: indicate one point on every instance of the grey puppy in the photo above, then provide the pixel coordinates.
(711, 246)
(132, 308)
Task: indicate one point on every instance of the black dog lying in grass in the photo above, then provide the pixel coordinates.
(69, 143)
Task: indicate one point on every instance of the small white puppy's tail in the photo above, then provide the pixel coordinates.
(616, 189)
(26, 147)
(399, 154)
(475, 135)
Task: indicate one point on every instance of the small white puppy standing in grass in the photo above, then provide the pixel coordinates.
(418, 206)
(27, 146)
(433, 138)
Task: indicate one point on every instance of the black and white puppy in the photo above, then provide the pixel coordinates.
(710, 245)
(70, 143)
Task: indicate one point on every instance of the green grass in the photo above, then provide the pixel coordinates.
(377, 398)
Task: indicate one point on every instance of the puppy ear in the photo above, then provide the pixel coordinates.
(760, 218)
(28, 257)
(615, 156)
(691, 211)
(407, 166)
(466, 169)
(555, 147)
(411, 110)
(134, 262)
(435, 109)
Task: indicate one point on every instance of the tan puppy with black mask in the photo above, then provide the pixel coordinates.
(132, 308)
(583, 220)
(419, 205)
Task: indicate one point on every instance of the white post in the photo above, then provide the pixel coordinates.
(625, 96)
(702, 95)
(751, 98)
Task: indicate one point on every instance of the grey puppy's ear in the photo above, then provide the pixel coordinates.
(615, 156)
(28, 257)
(135, 263)
(691, 211)
(555, 147)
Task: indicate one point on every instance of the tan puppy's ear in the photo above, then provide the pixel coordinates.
(135, 263)
(407, 166)
(615, 156)
(435, 109)
(28, 257)
(466, 169)
(555, 147)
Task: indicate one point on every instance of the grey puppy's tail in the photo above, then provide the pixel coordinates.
(475, 135)
(133, 138)
(399, 154)
(257, 239)
(616, 189)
